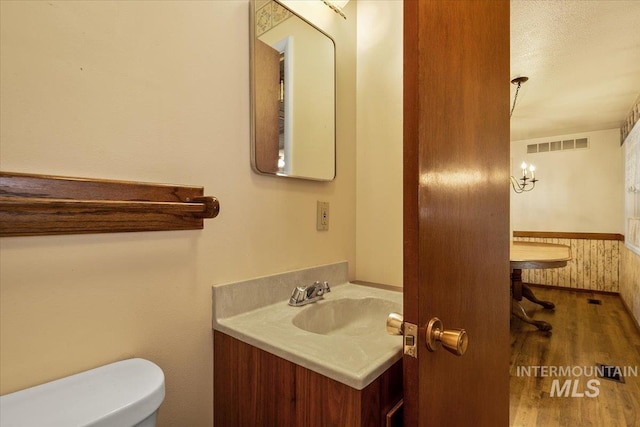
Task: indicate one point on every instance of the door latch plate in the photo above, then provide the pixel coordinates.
(410, 339)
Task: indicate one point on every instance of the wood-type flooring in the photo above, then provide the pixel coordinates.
(583, 335)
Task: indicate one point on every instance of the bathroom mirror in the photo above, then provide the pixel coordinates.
(292, 95)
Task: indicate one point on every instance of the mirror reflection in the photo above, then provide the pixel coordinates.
(293, 95)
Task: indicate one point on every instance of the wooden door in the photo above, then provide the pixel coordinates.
(267, 106)
(456, 208)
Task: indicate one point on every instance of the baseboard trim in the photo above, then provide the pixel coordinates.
(626, 307)
(591, 291)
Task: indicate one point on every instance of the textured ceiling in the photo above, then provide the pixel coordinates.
(583, 63)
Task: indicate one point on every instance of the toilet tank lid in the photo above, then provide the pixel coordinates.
(119, 394)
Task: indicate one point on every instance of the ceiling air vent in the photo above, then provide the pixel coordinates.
(582, 143)
(567, 144)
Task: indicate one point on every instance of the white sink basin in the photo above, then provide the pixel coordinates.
(343, 336)
(346, 316)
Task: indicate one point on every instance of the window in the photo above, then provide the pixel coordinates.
(632, 189)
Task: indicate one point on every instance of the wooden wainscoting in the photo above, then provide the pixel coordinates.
(595, 263)
(630, 282)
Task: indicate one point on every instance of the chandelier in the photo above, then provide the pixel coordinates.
(528, 180)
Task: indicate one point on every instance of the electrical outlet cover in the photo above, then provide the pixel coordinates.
(322, 217)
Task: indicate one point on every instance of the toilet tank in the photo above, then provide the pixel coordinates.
(123, 394)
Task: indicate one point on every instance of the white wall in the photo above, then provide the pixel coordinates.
(379, 175)
(152, 91)
(579, 190)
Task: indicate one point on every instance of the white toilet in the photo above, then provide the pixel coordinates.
(123, 394)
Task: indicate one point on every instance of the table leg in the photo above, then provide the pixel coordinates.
(516, 284)
(528, 294)
(519, 290)
(518, 310)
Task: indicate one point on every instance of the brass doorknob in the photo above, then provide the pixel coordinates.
(454, 340)
(395, 324)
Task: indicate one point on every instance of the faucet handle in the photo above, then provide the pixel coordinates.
(302, 295)
(320, 288)
(326, 287)
(298, 295)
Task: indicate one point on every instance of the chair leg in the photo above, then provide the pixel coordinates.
(518, 310)
(528, 294)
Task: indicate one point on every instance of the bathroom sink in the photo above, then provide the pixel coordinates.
(346, 316)
(343, 336)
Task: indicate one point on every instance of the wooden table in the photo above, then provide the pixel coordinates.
(533, 255)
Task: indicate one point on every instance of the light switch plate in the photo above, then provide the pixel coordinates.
(322, 217)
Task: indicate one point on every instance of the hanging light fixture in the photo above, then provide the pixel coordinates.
(517, 81)
(337, 6)
(528, 180)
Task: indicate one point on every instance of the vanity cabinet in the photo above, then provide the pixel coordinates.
(255, 388)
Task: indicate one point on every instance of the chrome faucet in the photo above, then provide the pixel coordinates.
(303, 295)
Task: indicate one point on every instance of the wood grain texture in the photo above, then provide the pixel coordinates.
(40, 204)
(255, 388)
(568, 235)
(630, 281)
(247, 382)
(267, 100)
(411, 209)
(531, 252)
(395, 417)
(582, 336)
(325, 402)
(595, 264)
(456, 234)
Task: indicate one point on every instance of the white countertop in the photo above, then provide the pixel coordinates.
(354, 360)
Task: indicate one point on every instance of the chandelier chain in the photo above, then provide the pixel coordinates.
(513, 107)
